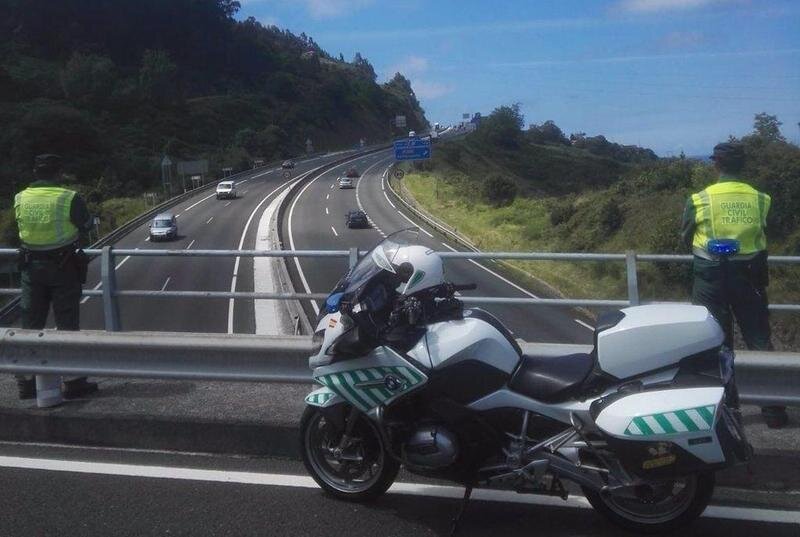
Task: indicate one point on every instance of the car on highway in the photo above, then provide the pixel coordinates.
(345, 182)
(412, 134)
(352, 173)
(226, 189)
(164, 227)
(356, 218)
(288, 164)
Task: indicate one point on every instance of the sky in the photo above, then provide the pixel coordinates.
(672, 75)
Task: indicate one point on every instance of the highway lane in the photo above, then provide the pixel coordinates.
(318, 219)
(203, 223)
(64, 491)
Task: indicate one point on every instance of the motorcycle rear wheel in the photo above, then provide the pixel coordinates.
(360, 472)
(664, 507)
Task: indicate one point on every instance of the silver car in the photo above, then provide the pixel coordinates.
(345, 182)
(164, 227)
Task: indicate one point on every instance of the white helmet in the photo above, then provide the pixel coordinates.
(419, 267)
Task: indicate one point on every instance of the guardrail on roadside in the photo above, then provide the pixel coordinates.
(110, 292)
(763, 378)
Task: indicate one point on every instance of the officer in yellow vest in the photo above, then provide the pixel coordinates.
(50, 220)
(725, 226)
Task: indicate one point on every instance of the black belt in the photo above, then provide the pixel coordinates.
(56, 254)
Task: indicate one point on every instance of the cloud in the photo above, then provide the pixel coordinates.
(649, 58)
(678, 40)
(320, 9)
(431, 90)
(467, 29)
(415, 68)
(657, 6)
(410, 66)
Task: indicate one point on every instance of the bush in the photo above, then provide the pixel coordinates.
(499, 191)
(561, 212)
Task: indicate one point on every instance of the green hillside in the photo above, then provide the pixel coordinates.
(112, 85)
(508, 189)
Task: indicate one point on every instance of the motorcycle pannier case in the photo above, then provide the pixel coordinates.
(671, 432)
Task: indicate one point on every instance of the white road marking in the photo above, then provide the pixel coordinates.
(190, 244)
(390, 201)
(334, 231)
(774, 516)
(361, 206)
(209, 220)
(85, 299)
(147, 239)
(241, 243)
(327, 196)
(331, 187)
(245, 192)
(326, 211)
(414, 224)
(199, 202)
(243, 182)
(496, 275)
(165, 283)
(587, 325)
(122, 262)
(228, 203)
(303, 279)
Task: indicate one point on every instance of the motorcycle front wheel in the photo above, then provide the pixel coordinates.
(358, 469)
(657, 507)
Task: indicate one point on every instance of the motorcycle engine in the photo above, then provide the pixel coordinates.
(431, 446)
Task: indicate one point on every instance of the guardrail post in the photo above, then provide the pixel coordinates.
(633, 280)
(353, 257)
(108, 278)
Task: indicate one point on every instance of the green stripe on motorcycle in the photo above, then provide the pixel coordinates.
(667, 421)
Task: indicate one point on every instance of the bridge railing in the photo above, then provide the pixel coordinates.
(763, 378)
(110, 292)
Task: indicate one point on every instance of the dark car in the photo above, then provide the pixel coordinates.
(352, 172)
(287, 164)
(356, 219)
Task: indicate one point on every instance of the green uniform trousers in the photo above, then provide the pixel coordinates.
(735, 289)
(46, 283)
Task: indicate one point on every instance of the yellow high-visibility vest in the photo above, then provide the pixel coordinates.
(43, 217)
(731, 210)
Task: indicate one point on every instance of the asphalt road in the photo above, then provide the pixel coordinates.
(203, 223)
(316, 221)
(78, 491)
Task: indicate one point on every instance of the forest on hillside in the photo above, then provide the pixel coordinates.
(113, 85)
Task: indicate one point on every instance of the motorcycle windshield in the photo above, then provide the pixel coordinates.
(378, 263)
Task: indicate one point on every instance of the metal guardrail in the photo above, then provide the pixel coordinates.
(110, 292)
(763, 378)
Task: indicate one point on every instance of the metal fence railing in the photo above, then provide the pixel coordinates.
(110, 291)
(763, 378)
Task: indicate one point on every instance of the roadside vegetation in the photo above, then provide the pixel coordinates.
(506, 188)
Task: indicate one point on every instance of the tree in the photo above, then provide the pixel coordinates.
(499, 191)
(158, 77)
(768, 127)
(503, 127)
(88, 79)
(547, 133)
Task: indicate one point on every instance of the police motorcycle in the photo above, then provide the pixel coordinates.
(411, 377)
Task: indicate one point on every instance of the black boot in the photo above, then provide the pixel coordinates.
(27, 387)
(78, 388)
(775, 416)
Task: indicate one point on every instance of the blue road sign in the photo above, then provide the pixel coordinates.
(412, 149)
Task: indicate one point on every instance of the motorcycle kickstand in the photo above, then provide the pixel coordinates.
(457, 520)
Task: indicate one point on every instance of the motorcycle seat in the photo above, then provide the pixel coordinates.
(551, 379)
